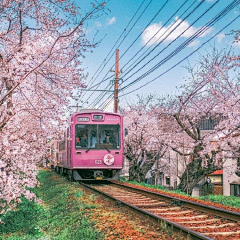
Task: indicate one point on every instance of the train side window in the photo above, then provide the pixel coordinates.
(81, 136)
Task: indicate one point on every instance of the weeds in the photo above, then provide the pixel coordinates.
(92, 197)
(163, 225)
(231, 201)
(61, 217)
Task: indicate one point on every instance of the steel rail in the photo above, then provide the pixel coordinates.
(186, 232)
(230, 215)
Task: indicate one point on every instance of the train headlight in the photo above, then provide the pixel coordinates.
(108, 159)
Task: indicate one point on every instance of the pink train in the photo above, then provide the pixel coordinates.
(93, 146)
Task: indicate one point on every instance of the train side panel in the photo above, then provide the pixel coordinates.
(64, 150)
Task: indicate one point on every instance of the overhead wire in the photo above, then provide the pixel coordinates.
(95, 102)
(158, 12)
(188, 41)
(174, 14)
(104, 94)
(183, 58)
(146, 25)
(166, 36)
(113, 47)
(104, 105)
(124, 31)
(120, 90)
(153, 19)
(213, 21)
(182, 46)
(131, 44)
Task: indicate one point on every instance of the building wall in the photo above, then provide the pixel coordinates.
(229, 176)
(216, 178)
(125, 171)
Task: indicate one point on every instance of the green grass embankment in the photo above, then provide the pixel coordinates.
(231, 201)
(61, 216)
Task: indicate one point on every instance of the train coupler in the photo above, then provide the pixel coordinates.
(98, 175)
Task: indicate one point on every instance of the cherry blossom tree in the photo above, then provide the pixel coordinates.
(143, 146)
(211, 94)
(42, 45)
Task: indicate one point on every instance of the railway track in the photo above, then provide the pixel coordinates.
(194, 220)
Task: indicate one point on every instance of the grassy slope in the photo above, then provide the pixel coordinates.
(62, 216)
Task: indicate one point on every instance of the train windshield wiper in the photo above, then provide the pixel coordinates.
(106, 148)
(88, 149)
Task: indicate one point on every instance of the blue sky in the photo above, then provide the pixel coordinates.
(114, 29)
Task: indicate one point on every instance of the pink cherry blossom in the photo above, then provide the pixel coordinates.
(42, 44)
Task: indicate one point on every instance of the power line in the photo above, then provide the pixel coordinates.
(144, 28)
(158, 12)
(191, 39)
(163, 39)
(107, 103)
(97, 85)
(176, 51)
(95, 102)
(183, 58)
(174, 14)
(167, 35)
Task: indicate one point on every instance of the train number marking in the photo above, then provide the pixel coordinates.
(98, 161)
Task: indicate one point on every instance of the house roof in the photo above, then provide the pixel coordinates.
(217, 172)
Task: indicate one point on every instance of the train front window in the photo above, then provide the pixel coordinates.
(109, 136)
(97, 136)
(85, 136)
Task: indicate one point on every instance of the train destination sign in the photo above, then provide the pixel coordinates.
(98, 117)
(83, 119)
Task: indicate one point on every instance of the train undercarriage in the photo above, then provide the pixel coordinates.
(89, 174)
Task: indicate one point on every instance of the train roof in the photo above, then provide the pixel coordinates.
(94, 111)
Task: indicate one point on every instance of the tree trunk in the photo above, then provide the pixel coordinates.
(195, 173)
(138, 169)
(136, 175)
(192, 175)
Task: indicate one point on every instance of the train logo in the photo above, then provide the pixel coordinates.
(108, 159)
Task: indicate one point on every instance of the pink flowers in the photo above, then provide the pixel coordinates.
(40, 55)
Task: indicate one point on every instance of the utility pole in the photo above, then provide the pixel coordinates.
(116, 82)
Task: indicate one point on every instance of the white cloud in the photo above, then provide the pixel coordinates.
(111, 21)
(169, 33)
(220, 37)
